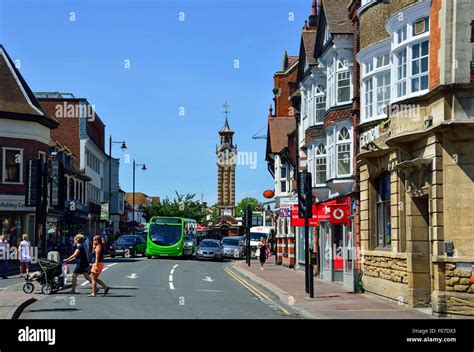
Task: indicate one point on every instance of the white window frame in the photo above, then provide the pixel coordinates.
(410, 16)
(330, 151)
(368, 97)
(330, 85)
(420, 59)
(343, 70)
(340, 143)
(371, 82)
(40, 154)
(319, 98)
(320, 158)
(4, 171)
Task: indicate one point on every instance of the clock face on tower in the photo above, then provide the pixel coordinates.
(226, 157)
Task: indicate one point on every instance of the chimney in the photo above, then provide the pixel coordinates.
(314, 15)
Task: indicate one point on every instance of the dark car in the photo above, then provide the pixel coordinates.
(143, 234)
(128, 245)
(210, 249)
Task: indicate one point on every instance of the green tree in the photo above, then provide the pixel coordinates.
(249, 201)
(184, 206)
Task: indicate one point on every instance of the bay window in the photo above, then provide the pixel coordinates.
(410, 48)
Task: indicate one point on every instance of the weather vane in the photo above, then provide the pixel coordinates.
(226, 106)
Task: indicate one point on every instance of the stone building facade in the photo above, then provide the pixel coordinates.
(416, 152)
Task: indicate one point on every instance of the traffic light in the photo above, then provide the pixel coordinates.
(247, 218)
(304, 194)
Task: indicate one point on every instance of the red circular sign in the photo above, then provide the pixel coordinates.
(269, 194)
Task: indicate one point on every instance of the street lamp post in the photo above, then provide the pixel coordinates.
(133, 194)
(123, 147)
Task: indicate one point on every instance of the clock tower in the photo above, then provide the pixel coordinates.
(226, 153)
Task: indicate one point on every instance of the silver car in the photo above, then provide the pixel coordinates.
(210, 249)
(233, 247)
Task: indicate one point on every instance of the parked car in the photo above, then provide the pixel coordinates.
(128, 245)
(210, 249)
(233, 247)
(189, 244)
(143, 234)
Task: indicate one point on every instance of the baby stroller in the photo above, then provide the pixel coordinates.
(51, 277)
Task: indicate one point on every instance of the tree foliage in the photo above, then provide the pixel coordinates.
(184, 206)
(249, 201)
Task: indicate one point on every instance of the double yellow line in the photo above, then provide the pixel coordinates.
(253, 289)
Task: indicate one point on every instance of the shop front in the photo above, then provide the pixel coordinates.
(336, 242)
(16, 219)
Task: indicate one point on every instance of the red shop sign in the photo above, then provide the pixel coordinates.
(299, 222)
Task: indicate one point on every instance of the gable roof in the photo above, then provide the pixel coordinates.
(17, 101)
(308, 40)
(337, 16)
(278, 130)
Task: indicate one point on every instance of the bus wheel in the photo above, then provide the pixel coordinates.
(149, 256)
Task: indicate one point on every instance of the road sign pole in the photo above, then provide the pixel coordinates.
(306, 251)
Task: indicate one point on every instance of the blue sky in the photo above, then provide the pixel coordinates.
(174, 64)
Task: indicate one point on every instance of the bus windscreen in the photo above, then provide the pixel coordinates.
(165, 235)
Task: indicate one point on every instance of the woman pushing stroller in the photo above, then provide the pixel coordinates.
(82, 265)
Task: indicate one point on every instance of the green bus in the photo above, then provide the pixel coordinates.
(169, 236)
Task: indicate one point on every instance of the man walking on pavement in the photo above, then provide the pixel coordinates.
(4, 256)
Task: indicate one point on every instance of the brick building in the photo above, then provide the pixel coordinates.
(83, 132)
(25, 129)
(281, 156)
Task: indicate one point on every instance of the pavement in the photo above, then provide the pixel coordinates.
(165, 288)
(331, 300)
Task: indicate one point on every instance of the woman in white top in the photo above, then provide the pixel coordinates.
(24, 255)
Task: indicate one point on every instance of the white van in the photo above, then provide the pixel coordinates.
(256, 232)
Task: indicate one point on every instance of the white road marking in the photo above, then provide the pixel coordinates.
(85, 283)
(170, 279)
(132, 276)
(208, 279)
